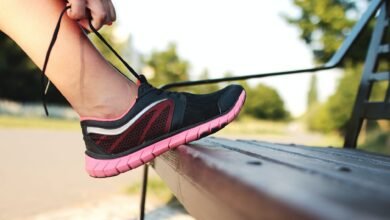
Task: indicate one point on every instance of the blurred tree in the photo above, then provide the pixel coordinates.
(202, 89)
(340, 104)
(324, 25)
(312, 96)
(334, 114)
(264, 102)
(19, 76)
(250, 97)
(167, 66)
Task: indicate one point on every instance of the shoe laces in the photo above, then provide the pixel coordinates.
(146, 88)
(45, 80)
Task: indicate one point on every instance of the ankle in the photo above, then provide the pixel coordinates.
(110, 106)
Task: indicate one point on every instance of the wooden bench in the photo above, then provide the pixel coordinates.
(217, 178)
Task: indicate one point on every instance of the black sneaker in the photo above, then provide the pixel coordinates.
(157, 122)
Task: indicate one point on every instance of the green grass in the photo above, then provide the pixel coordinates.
(377, 142)
(46, 123)
(330, 139)
(250, 126)
(157, 189)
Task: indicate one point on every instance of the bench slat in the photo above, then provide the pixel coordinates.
(339, 156)
(222, 179)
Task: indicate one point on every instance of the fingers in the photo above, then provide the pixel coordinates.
(98, 13)
(77, 9)
(85, 25)
(101, 11)
(112, 11)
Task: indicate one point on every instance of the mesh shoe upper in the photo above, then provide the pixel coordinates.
(200, 108)
(156, 114)
(149, 126)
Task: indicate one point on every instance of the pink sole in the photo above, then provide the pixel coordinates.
(112, 167)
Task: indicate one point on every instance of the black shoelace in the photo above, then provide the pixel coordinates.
(44, 88)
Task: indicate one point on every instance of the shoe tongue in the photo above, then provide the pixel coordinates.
(143, 85)
(141, 80)
(143, 88)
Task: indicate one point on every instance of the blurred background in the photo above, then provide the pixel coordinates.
(41, 170)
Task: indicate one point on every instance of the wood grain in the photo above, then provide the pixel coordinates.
(218, 178)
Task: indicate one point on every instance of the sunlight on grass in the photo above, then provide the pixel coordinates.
(157, 190)
(46, 123)
(250, 126)
(279, 132)
(327, 140)
(377, 141)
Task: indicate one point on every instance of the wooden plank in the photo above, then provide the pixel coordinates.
(347, 157)
(222, 179)
(376, 178)
(207, 193)
(347, 152)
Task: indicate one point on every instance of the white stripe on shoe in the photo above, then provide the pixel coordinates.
(124, 127)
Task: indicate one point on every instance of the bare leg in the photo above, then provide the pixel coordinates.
(78, 70)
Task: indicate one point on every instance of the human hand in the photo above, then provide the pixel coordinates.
(101, 11)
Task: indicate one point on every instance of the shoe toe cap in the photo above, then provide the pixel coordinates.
(229, 97)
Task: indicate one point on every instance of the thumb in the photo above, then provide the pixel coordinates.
(84, 23)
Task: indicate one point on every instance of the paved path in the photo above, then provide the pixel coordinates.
(117, 207)
(43, 170)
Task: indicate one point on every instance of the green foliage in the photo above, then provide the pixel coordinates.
(264, 102)
(378, 141)
(341, 103)
(15, 66)
(202, 89)
(167, 66)
(335, 113)
(324, 25)
(319, 119)
(312, 96)
(19, 76)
